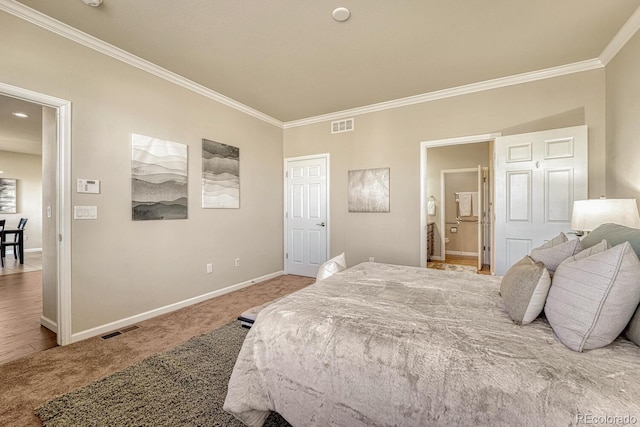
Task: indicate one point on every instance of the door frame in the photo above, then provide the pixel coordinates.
(424, 145)
(327, 158)
(63, 199)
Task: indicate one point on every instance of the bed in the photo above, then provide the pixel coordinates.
(390, 345)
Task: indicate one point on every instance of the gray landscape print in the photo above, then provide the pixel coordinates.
(158, 179)
(220, 175)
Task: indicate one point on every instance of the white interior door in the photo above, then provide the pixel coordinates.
(306, 215)
(537, 177)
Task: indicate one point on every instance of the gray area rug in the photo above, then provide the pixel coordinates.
(185, 386)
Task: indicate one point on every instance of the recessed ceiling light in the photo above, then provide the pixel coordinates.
(21, 115)
(94, 3)
(341, 14)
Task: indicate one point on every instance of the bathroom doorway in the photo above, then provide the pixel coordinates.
(457, 155)
(464, 217)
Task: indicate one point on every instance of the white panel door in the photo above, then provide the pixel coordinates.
(537, 177)
(306, 216)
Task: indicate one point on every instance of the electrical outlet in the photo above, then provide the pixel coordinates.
(371, 259)
(237, 262)
(209, 268)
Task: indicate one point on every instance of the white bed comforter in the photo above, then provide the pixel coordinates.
(388, 345)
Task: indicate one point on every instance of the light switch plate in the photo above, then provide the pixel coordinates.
(85, 212)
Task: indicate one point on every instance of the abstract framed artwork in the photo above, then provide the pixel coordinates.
(159, 179)
(220, 175)
(369, 190)
(8, 195)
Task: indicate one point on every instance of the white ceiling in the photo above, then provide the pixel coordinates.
(290, 60)
(21, 135)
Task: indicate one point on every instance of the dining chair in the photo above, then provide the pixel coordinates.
(2, 222)
(4, 244)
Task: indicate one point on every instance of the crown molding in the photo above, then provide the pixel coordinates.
(44, 21)
(621, 38)
(576, 67)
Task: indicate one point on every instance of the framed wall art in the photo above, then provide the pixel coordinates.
(158, 179)
(220, 175)
(369, 190)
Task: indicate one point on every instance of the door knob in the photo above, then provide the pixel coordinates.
(321, 224)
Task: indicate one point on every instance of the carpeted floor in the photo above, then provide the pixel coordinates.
(185, 386)
(29, 382)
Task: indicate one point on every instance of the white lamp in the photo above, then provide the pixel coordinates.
(589, 214)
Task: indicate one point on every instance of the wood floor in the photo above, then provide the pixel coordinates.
(20, 310)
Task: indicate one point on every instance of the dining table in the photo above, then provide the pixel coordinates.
(20, 233)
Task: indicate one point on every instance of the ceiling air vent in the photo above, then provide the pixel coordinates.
(342, 126)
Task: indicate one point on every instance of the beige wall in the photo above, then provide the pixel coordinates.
(392, 139)
(27, 169)
(123, 268)
(623, 122)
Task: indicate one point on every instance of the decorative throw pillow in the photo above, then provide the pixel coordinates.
(524, 289)
(553, 252)
(595, 249)
(331, 267)
(615, 234)
(633, 330)
(592, 298)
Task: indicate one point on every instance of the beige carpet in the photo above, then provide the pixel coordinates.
(31, 381)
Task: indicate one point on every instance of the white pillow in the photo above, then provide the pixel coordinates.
(592, 298)
(331, 267)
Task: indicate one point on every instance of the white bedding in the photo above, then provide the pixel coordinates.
(389, 345)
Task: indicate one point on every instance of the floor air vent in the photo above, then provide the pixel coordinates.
(120, 332)
(342, 126)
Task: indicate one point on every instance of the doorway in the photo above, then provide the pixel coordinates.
(56, 210)
(464, 217)
(453, 153)
(306, 240)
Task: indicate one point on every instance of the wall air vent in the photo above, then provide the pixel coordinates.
(342, 126)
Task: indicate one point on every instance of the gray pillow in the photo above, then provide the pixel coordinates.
(633, 331)
(615, 234)
(593, 297)
(553, 252)
(524, 289)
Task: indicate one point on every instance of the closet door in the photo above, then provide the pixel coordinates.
(537, 177)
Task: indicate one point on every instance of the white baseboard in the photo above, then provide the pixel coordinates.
(9, 251)
(123, 323)
(49, 324)
(437, 258)
(462, 253)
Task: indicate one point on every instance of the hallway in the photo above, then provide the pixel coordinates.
(20, 309)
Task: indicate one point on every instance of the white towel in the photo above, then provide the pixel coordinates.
(464, 204)
(431, 206)
(474, 204)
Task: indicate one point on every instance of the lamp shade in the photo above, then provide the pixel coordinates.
(589, 214)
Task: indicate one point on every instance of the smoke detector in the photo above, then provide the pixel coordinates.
(94, 3)
(341, 14)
